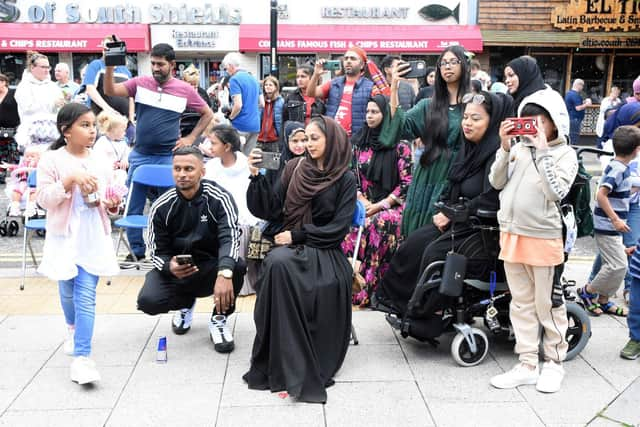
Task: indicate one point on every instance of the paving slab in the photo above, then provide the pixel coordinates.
(380, 403)
(625, 408)
(117, 340)
(237, 393)
(75, 417)
(17, 369)
(441, 378)
(39, 395)
(603, 355)
(372, 328)
(573, 404)
(32, 333)
(271, 416)
(192, 404)
(479, 414)
(374, 363)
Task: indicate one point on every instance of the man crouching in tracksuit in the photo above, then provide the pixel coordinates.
(193, 238)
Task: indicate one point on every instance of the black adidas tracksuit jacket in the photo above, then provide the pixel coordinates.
(205, 227)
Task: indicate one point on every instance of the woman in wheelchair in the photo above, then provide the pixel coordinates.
(467, 181)
(534, 175)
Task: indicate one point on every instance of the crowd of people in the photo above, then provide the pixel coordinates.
(285, 172)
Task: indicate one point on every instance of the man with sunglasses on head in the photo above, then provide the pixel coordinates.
(346, 96)
(160, 100)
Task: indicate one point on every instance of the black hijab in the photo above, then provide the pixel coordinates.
(529, 78)
(472, 157)
(382, 171)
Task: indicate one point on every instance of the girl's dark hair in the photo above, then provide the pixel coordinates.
(530, 110)
(228, 135)
(67, 116)
(305, 68)
(320, 123)
(436, 123)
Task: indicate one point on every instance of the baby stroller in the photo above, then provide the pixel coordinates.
(450, 301)
(10, 225)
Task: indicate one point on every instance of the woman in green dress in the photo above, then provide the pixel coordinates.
(436, 122)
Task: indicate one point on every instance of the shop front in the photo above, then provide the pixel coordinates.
(202, 46)
(75, 44)
(597, 41)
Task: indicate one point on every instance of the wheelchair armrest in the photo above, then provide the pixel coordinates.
(483, 213)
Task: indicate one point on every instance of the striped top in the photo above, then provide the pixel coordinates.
(617, 179)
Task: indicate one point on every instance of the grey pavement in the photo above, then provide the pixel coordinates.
(385, 380)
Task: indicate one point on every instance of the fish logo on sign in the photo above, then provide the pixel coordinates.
(438, 12)
(9, 12)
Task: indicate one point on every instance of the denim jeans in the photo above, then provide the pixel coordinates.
(633, 319)
(78, 298)
(628, 239)
(574, 131)
(140, 194)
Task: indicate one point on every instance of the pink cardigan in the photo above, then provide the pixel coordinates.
(53, 167)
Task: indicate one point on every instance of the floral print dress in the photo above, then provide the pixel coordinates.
(381, 234)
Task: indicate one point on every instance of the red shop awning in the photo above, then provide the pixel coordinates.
(19, 37)
(372, 38)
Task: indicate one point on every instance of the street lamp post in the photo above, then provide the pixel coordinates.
(274, 39)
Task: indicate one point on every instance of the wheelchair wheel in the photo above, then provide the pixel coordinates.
(579, 330)
(462, 353)
(3, 227)
(13, 228)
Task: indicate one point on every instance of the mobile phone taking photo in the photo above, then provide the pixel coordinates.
(269, 160)
(523, 126)
(184, 259)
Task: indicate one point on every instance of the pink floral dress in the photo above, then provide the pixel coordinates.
(381, 235)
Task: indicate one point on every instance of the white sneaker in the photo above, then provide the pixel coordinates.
(182, 320)
(551, 376)
(30, 210)
(69, 345)
(517, 376)
(221, 334)
(83, 370)
(14, 209)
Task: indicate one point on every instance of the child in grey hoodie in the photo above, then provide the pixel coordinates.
(534, 175)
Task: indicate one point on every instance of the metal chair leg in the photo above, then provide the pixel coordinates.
(33, 255)
(24, 258)
(354, 337)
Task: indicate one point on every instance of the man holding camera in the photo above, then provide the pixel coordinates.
(160, 100)
(346, 96)
(194, 240)
(244, 91)
(94, 82)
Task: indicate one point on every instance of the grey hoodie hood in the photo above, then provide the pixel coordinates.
(553, 102)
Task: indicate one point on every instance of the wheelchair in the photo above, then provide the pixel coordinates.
(444, 303)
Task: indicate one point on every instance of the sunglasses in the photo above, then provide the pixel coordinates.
(473, 98)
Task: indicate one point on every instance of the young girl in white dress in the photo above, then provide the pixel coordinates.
(73, 185)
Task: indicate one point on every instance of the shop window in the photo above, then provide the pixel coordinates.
(554, 70)
(499, 57)
(593, 70)
(287, 65)
(625, 70)
(14, 64)
(80, 60)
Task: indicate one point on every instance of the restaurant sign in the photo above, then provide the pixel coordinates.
(597, 15)
(591, 41)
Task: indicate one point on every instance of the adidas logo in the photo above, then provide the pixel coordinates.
(203, 218)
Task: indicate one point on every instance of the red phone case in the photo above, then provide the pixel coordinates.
(523, 126)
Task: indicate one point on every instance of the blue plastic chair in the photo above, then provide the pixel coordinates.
(358, 220)
(30, 226)
(149, 175)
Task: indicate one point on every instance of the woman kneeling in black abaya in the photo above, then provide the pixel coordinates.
(468, 178)
(303, 305)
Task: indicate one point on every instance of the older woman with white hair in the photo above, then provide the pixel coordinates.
(39, 100)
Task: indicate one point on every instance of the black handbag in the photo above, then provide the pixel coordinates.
(453, 274)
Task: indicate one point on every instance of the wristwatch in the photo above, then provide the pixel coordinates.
(226, 273)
